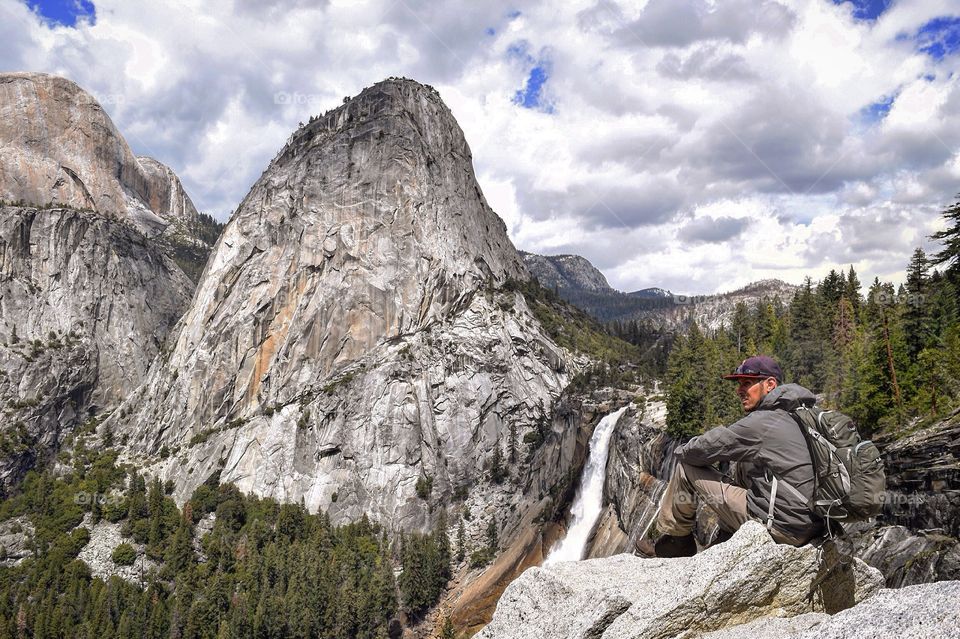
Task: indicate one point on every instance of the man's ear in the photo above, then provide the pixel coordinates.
(769, 384)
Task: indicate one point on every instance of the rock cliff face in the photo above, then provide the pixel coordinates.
(566, 272)
(348, 336)
(915, 539)
(640, 456)
(85, 303)
(923, 477)
(748, 579)
(87, 295)
(60, 147)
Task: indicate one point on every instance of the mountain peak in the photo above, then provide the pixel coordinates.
(61, 147)
(400, 100)
(366, 231)
(769, 286)
(569, 273)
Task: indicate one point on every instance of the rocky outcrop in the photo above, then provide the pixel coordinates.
(923, 477)
(87, 294)
(917, 612)
(748, 578)
(98, 554)
(188, 236)
(350, 335)
(565, 272)
(15, 537)
(59, 147)
(915, 538)
(74, 276)
(85, 303)
(904, 556)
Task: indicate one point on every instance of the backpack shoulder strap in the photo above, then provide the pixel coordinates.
(773, 501)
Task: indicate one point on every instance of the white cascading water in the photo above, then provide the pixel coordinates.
(587, 503)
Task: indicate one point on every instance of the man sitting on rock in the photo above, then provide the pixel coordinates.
(766, 443)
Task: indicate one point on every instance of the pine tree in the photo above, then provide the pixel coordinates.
(721, 403)
(942, 306)
(808, 334)
(877, 396)
(496, 464)
(493, 542)
(852, 291)
(932, 380)
(179, 555)
(949, 255)
(446, 629)
(137, 499)
(916, 320)
(844, 335)
(686, 402)
(765, 322)
(829, 291)
(888, 339)
(155, 508)
(441, 544)
(461, 542)
(741, 328)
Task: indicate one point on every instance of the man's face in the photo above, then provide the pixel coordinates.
(752, 390)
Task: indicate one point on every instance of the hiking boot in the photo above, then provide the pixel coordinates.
(671, 546)
(668, 546)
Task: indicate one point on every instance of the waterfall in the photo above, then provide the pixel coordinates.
(588, 501)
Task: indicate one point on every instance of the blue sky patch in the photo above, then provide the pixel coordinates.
(490, 31)
(867, 9)
(877, 111)
(531, 95)
(514, 14)
(940, 37)
(64, 12)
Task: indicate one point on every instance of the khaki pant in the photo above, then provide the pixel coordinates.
(678, 511)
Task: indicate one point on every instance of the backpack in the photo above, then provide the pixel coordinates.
(848, 477)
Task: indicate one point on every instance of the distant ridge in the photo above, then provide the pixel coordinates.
(583, 285)
(566, 272)
(654, 292)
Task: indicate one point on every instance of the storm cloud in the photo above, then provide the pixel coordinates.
(653, 133)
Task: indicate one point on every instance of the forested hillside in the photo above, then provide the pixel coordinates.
(888, 356)
(264, 570)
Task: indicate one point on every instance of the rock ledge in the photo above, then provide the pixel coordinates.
(747, 587)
